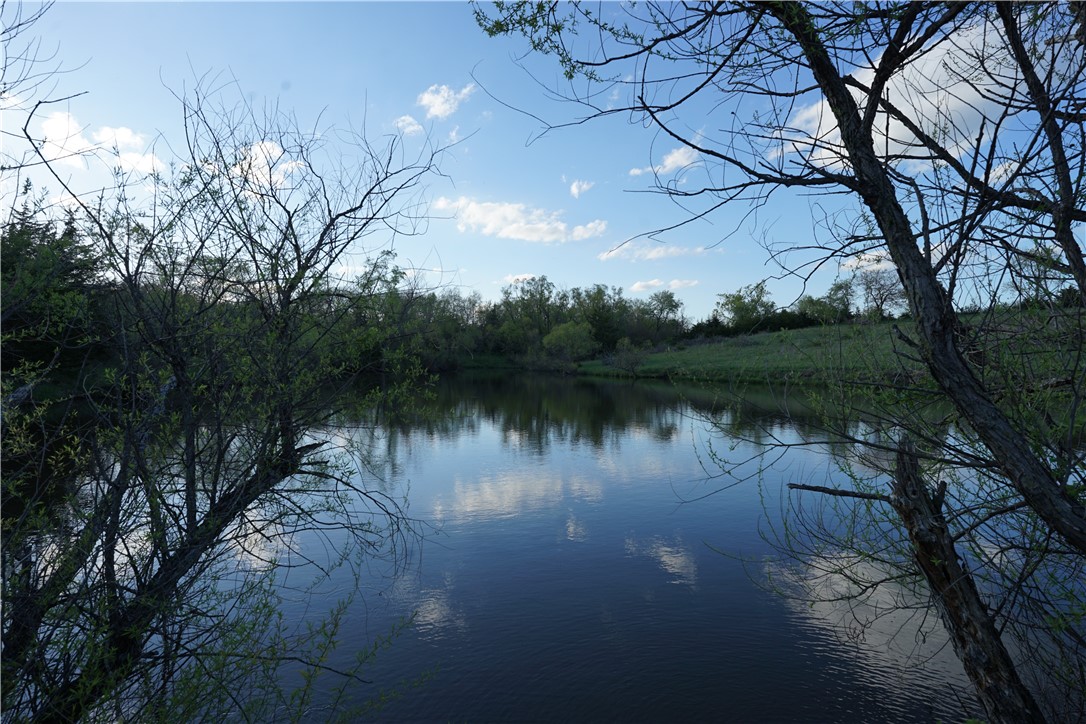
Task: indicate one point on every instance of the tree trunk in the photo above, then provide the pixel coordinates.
(977, 642)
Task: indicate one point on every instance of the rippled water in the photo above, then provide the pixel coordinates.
(578, 570)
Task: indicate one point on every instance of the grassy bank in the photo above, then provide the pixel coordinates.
(861, 352)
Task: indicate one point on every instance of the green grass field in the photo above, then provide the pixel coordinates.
(813, 355)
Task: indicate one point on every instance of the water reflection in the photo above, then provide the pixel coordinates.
(259, 544)
(575, 529)
(513, 493)
(891, 630)
(533, 413)
(437, 614)
(569, 580)
(673, 556)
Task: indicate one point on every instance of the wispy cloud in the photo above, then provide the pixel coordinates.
(408, 126)
(675, 160)
(612, 98)
(67, 145)
(420, 272)
(516, 221)
(673, 556)
(674, 284)
(645, 252)
(514, 278)
(646, 286)
(579, 187)
(441, 101)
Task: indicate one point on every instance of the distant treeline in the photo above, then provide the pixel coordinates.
(537, 324)
(61, 310)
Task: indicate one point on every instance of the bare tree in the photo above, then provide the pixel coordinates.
(146, 590)
(956, 131)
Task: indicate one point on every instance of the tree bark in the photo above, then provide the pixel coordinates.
(973, 632)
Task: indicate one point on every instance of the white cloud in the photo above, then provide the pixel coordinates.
(645, 252)
(939, 89)
(12, 101)
(131, 149)
(657, 283)
(265, 163)
(120, 138)
(441, 101)
(589, 230)
(65, 200)
(870, 261)
(646, 286)
(64, 140)
(67, 145)
(454, 134)
(676, 159)
(408, 126)
(140, 162)
(515, 278)
(515, 221)
(579, 187)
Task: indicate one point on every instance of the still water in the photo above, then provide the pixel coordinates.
(580, 567)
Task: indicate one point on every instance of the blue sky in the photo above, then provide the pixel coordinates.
(569, 204)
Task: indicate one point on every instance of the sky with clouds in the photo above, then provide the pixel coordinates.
(511, 202)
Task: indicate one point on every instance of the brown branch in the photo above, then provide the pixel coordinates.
(836, 492)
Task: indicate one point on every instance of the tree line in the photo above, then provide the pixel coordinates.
(536, 323)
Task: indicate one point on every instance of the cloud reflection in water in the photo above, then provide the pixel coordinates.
(890, 631)
(575, 530)
(674, 557)
(435, 614)
(513, 493)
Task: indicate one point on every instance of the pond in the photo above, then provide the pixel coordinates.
(587, 562)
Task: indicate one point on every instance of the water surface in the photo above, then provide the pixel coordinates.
(582, 568)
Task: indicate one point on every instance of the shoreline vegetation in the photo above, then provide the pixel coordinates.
(864, 360)
(863, 353)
